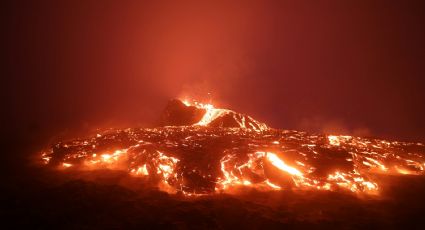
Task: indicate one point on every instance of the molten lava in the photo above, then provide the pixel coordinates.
(223, 150)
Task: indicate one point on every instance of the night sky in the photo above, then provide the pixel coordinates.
(348, 67)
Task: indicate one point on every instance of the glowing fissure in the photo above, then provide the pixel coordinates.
(274, 159)
(212, 113)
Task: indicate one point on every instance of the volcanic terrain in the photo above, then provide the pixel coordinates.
(215, 168)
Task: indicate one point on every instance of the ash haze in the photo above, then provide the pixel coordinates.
(74, 68)
(350, 67)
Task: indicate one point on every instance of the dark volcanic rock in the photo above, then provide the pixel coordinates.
(176, 113)
(231, 119)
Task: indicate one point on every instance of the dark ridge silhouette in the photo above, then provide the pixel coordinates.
(177, 114)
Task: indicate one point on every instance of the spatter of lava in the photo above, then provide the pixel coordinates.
(202, 159)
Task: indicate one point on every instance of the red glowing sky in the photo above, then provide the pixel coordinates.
(335, 66)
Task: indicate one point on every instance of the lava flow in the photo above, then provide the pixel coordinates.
(200, 150)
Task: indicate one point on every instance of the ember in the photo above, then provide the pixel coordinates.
(224, 150)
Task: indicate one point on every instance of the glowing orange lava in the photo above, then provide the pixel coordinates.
(198, 159)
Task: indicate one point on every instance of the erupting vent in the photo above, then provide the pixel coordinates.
(207, 150)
